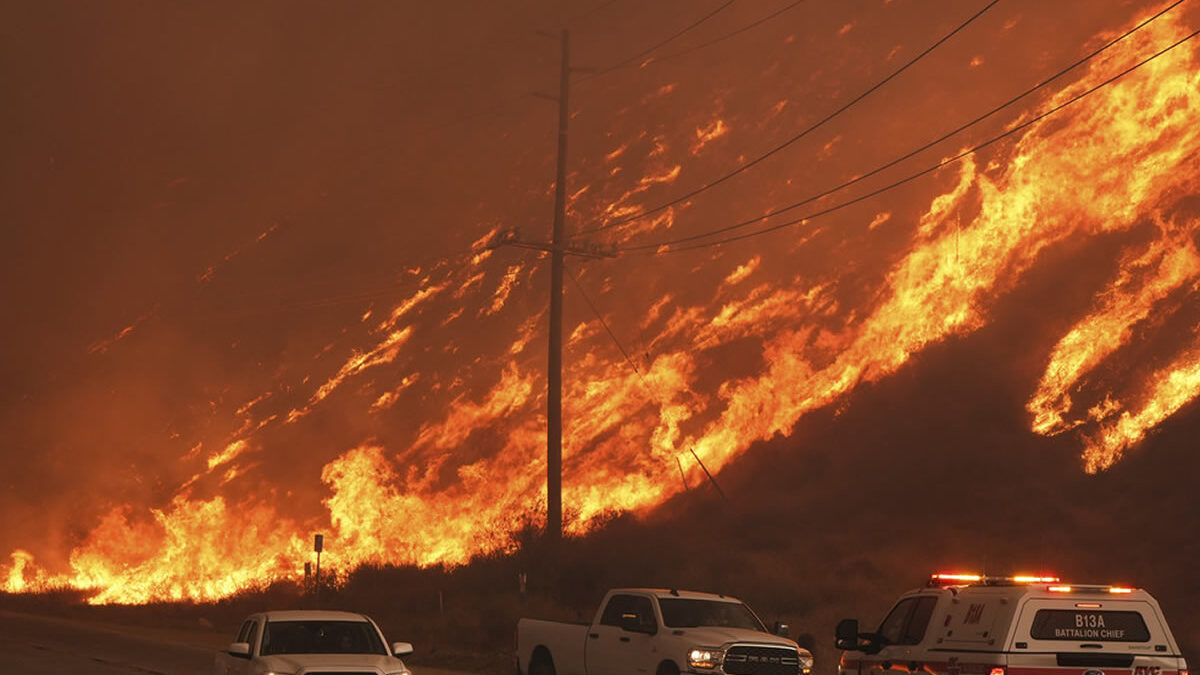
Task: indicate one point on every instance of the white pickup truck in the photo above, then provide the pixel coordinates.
(660, 632)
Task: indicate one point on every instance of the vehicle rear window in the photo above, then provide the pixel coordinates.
(1091, 625)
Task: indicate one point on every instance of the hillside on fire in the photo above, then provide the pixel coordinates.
(851, 291)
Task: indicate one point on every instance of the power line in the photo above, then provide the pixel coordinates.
(908, 155)
(739, 31)
(923, 172)
(591, 305)
(659, 45)
(657, 398)
(717, 40)
(496, 109)
(779, 148)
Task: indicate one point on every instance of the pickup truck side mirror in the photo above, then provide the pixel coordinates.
(781, 629)
(239, 649)
(846, 635)
(402, 648)
(848, 638)
(633, 624)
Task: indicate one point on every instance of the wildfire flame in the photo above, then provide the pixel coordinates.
(1123, 160)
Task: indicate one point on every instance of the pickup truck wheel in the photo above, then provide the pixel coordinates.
(668, 668)
(541, 665)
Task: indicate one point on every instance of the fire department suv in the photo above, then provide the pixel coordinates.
(964, 624)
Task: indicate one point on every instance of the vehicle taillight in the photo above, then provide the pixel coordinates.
(998, 670)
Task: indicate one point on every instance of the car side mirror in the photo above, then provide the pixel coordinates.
(239, 649)
(781, 629)
(402, 648)
(846, 635)
(633, 624)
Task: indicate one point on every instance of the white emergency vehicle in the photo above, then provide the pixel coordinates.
(970, 624)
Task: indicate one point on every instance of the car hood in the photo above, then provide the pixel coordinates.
(366, 662)
(715, 636)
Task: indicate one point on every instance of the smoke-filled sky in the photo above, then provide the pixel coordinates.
(250, 292)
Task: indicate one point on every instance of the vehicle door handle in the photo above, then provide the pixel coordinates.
(594, 635)
(624, 639)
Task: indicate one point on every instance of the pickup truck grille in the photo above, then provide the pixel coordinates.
(747, 660)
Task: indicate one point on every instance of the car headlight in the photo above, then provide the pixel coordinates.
(806, 664)
(704, 658)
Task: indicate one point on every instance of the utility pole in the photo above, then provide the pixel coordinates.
(558, 248)
(554, 374)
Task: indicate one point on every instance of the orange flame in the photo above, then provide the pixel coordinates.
(465, 478)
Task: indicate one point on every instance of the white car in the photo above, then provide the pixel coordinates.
(310, 642)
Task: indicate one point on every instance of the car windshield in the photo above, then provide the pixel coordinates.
(321, 637)
(690, 613)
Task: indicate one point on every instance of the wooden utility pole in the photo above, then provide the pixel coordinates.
(554, 366)
(558, 248)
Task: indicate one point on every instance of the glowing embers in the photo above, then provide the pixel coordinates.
(707, 134)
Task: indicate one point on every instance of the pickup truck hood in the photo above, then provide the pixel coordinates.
(715, 636)
(372, 663)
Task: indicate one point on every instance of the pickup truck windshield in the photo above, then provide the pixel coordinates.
(321, 637)
(690, 613)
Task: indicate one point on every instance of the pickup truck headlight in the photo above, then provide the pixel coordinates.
(806, 664)
(705, 658)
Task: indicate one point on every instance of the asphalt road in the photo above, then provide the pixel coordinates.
(40, 645)
(36, 645)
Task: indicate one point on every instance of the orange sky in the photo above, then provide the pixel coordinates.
(248, 298)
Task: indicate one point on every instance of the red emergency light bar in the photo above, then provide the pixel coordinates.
(961, 579)
(946, 579)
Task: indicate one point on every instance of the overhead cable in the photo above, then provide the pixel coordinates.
(735, 33)
(908, 155)
(659, 45)
(789, 142)
(911, 177)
